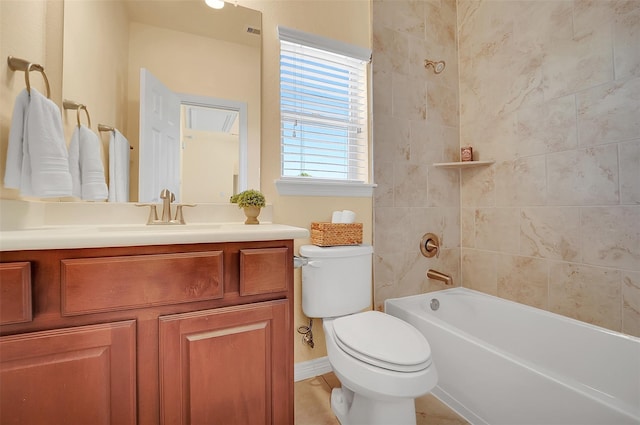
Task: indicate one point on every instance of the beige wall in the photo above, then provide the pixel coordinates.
(212, 179)
(98, 30)
(415, 125)
(347, 21)
(551, 91)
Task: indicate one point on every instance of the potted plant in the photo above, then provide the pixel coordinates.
(251, 201)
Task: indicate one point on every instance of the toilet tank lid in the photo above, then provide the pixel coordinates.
(313, 251)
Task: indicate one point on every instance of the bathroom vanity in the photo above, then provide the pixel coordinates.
(154, 332)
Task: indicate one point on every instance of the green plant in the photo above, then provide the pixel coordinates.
(249, 198)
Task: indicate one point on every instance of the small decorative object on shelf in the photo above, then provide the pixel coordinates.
(251, 201)
(466, 154)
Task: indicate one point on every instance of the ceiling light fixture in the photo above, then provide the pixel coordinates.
(215, 4)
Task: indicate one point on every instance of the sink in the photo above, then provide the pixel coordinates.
(159, 227)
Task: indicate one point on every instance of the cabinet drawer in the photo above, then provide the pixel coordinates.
(117, 283)
(15, 293)
(263, 270)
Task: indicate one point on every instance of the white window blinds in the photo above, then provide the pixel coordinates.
(323, 107)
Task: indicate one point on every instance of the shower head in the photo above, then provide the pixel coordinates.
(438, 67)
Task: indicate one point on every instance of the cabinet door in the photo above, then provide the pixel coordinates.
(83, 375)
(227, 366)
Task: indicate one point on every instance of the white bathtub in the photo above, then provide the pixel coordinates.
(501, 362)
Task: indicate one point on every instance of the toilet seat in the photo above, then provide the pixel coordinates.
(383, 341)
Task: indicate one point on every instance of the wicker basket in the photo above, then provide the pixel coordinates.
(333, 234)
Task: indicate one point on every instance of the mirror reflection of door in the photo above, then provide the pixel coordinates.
(160, 131)
(209, 132)
(176, 132)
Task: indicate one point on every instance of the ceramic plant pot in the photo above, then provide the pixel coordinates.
(252, 214)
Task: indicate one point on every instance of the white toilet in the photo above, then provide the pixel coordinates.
(382, 362)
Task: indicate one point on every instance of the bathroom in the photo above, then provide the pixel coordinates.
(547, 90)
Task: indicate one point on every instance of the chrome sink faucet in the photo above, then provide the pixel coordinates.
(166, 218)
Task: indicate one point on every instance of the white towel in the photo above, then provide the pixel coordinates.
(44, 169)
(13, 170)
(85, 164)
(118, 167)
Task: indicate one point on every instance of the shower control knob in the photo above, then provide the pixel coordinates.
(430, 245)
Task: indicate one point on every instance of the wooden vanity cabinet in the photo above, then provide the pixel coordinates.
(171, 334)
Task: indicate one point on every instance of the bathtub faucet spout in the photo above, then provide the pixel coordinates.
(434, 274)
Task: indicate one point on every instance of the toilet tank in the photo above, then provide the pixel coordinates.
(337, 280)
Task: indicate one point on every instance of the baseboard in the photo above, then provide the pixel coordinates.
(311, 368)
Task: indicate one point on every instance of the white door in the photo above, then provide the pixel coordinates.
(159, 139)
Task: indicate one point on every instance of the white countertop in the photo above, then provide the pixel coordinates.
(49, 225)
(88, 236)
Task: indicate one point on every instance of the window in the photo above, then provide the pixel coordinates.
(323, 113)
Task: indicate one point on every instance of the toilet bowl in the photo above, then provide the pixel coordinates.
(382, 362)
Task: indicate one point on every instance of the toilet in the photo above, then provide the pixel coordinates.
(382, 362)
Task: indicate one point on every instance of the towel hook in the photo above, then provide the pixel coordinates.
(105, 128)
(70, 104)
(17, 64)
(108, 128)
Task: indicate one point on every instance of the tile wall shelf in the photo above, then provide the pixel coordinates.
(465, 164)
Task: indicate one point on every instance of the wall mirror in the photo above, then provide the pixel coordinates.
(201, 54)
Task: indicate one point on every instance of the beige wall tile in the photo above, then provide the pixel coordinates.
(478, 270)
(391, 232)
(521, 182)
(422, 199)
(442, 108)
(443, 222)
(393, 135)
(498, 229)
(611, 236)
(537, 85)
(477, 186)
(575, 64)
(626, 38)
(408, 97)
(491, 132)
(443, 187)
(536, 93)
(586, 293)
(523, 279)
(384, 277)
(410, 19)
(382, 83)
(433, 143)
(559, 132)
(390, 50)
(609, 113)
(410, 183)
(468, 227)
(383, 193)
(629, 157)
(552, 233)
(631, 303)
(583, 177)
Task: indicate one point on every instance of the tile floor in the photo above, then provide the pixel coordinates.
(313, 408)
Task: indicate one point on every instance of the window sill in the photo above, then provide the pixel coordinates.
(324, 188)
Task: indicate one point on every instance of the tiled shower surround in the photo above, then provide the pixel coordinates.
(550, 90)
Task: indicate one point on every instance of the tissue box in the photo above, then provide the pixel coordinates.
(333, 234)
